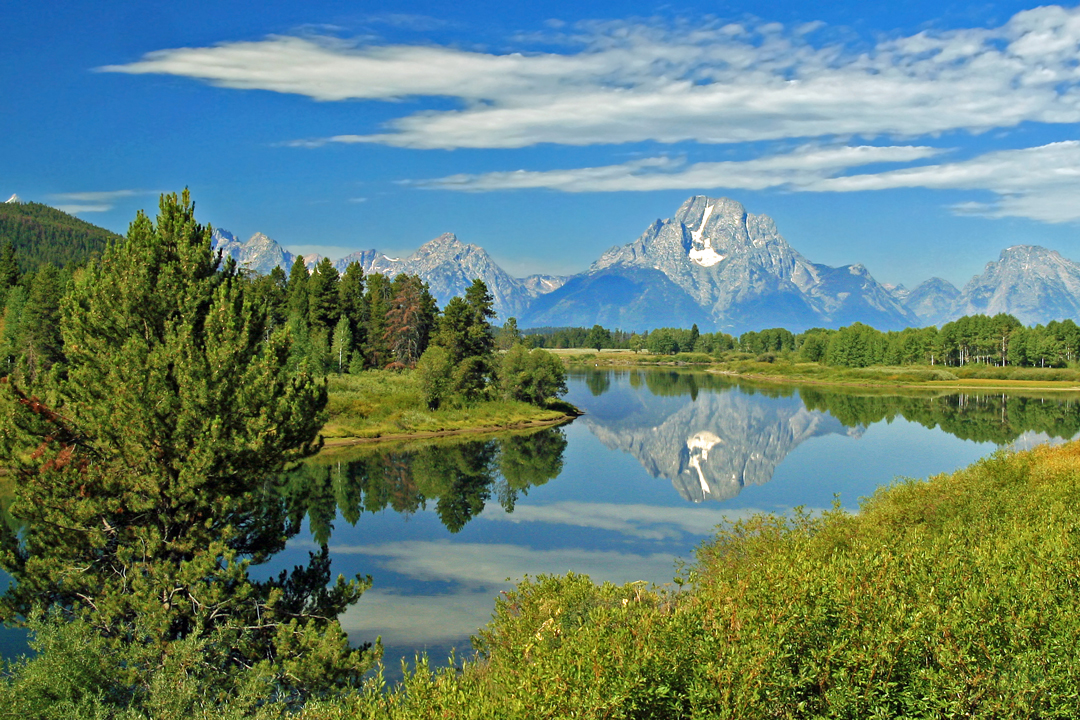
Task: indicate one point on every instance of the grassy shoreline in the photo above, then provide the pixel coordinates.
(381, 405)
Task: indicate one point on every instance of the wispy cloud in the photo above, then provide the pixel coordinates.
(90, 202)
(1040, 183)
(804, 167)
(706, 82)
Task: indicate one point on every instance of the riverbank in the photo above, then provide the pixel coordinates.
(379, 405)
(971, 376)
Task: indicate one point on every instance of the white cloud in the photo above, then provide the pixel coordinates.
(76, 209)
(1040, 183)
(477, 572)
(90, 202)
(803, 167)
(704, 82)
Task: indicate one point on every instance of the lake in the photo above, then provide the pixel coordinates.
(622, 493)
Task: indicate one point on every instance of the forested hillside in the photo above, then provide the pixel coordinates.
(42, 234)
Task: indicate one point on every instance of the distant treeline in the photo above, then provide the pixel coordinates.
(1000, 340)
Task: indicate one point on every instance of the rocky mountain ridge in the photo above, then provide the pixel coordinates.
(448, 265)
(716, 265)
(734, 266)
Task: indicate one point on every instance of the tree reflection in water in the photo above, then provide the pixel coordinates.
(460, 478)
(999, 418)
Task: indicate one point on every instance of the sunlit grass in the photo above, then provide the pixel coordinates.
(380, 403)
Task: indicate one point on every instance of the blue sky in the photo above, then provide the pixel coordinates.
(917, 138)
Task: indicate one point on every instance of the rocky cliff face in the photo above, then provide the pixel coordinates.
(738, 271)
(1032, 283)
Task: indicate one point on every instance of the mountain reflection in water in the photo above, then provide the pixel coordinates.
(712, 436)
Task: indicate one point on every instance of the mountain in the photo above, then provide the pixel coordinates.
(931, 301)
(449, 266)
(259, 253)
(1032, 283)
(730, 267)
(43, 234)
(718, 266)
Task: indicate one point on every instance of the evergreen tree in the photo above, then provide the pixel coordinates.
(409, 319)
(297, 292)
(508, 335)
(480, 337)
(9, 267)
(270, 289)
(148, 488)
(377, 352)
(353, 304)
(9, 335)
(453, 329)
(38, 341)
(323, 304)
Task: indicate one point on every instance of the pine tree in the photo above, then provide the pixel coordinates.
(323, 304)
(376, 351)
(9, 335)
(409, 319)
(149, 488)
(508, 335)
(271, 291)
(9, 266)
(38, 342)
(297, 292)
(353, 304)
(480, 336)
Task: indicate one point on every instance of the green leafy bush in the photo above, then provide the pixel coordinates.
(532, 376)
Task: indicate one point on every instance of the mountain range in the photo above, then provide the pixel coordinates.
(716, 265)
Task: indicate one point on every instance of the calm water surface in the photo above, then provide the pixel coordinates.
(658, 460)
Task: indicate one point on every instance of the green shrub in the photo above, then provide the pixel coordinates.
(433, 371)
(531, 376)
